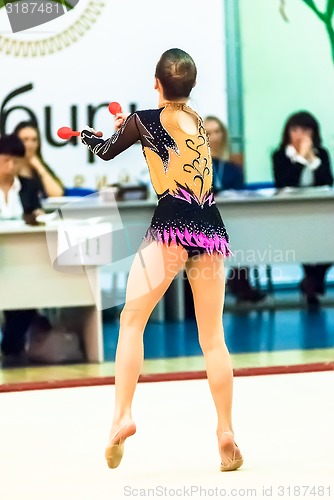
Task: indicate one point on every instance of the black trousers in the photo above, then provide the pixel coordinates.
(315, 274)
(14, 330)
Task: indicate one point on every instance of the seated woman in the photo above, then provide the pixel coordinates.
(301, 161)
(33, 165)
(18, 198)
(226, 174)
(229, 175)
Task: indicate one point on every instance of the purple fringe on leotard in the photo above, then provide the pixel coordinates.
(201, 240)
(189, 196)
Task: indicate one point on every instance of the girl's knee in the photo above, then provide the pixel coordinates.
(133, 317)
(211, 339)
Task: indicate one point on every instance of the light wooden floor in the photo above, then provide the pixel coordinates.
(33, 374)
(52, 442)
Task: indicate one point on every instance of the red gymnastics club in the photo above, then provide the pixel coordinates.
(67, 133)
(114, 108)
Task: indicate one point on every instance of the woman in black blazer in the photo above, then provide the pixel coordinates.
(301, 161)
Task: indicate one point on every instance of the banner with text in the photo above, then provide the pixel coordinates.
(62, 62)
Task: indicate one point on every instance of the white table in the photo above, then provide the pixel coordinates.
(291, 227)
(28, 280)
(265, 228)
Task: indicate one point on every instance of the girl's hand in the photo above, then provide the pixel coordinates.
(98, 134)
(120, 119)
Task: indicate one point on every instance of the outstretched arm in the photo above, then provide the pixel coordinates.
(121, 140)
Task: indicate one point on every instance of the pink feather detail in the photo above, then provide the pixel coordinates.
(172, 235)
(159, 236)
(188, 236)
(186, 196)
(166, 236)
(200, 239)
(179, 234)
(215, 243)
(211, 200)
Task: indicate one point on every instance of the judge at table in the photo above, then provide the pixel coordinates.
(302, 161)
(18, 199)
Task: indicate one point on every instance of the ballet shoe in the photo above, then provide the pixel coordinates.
(232, 462)
(114, 452)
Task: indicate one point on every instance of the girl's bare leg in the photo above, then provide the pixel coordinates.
(153, 269)
(207, 279)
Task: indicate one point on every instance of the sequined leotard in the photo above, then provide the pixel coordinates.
(180, 168)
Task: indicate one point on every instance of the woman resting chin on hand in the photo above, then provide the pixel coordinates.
(301, 161)
(33, 164)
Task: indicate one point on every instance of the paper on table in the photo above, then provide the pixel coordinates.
(305, 190)
(61, 199)
(246, 193)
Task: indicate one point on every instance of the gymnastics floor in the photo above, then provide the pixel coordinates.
(52, 441)
(260, 341)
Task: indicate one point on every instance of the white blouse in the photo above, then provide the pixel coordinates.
(12, 208)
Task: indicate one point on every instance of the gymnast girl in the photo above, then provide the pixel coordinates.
(186, 232)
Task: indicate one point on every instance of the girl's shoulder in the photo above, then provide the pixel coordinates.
(148, 112)
(147, 115)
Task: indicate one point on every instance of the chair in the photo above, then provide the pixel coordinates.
(78, 191)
